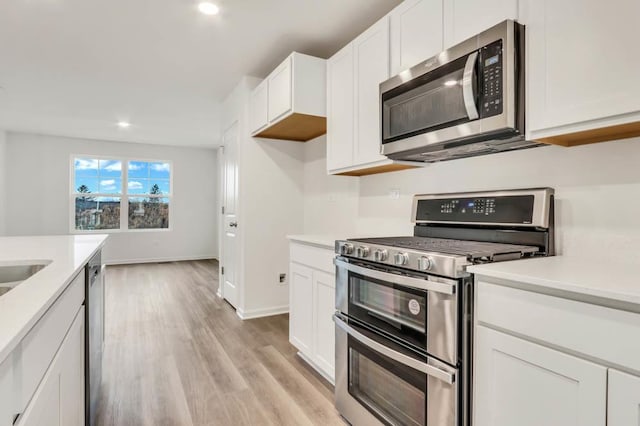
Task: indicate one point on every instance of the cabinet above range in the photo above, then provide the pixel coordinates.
(290, 103)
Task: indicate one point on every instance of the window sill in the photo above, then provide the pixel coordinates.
(119, 231)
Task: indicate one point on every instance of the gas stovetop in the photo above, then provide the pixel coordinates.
(456, 230)
(439, 256)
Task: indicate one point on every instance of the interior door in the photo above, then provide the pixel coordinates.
(229, 266)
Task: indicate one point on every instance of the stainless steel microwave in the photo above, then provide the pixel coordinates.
(467, 101)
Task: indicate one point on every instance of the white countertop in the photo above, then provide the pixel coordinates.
(320, 240)
(24, 305)
(613, 281)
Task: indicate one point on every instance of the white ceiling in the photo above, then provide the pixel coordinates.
(76, 67)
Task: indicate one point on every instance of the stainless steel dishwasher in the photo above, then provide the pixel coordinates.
(94, 335)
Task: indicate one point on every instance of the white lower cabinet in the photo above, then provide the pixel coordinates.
(525, 384)
(311, 307)
(324, 302)
(624, 399)
(59, 398)
(300, 312)
(6, 393)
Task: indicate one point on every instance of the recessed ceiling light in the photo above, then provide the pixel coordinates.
(124, 124)
(208, 8)
(451, 82)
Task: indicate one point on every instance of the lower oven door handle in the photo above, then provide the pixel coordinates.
(430, 370)
(418, 283)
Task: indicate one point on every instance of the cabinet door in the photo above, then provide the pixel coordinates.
(624, 399)
(467, 18)
(72, 374)
(59, 399)
(416, 33)
(582, 62)
(7, 408)
(324, 302)
(340, 109)
(520, 383)
(280, 91)
(258, 118)
(371, 52)
(301, 309)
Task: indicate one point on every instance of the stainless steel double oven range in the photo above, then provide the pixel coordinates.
(404, 305)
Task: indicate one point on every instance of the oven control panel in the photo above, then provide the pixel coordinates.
(517, 209)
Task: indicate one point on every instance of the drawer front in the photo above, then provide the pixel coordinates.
(592, 330)
(39, 347)
(314, 257)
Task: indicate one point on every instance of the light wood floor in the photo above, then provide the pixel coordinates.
(178, 355)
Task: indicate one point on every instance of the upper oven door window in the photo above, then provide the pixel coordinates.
(398, 310)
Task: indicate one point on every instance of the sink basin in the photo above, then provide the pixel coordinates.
(13, 275)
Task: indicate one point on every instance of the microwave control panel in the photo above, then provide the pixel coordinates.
(491, 77)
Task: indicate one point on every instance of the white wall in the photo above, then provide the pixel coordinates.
(38, 188)
(330, 202)
(3, 172)
(597, 191)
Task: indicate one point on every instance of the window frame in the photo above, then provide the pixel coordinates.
(124, 195)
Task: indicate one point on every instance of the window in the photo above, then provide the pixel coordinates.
(105, 189)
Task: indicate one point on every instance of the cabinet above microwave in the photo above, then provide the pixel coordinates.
(290, 103)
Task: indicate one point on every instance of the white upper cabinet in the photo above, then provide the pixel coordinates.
(371, 52)
(624, 399)
(582, 69)
(280, 86)
(525, 384)
(291, 103)
(416, 33)
(258, 107)
(467, 18)
(340, 99)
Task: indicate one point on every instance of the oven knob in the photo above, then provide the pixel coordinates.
(346, 248)
(380, 255)
(425, 263)
(401, 258)
(362, 251)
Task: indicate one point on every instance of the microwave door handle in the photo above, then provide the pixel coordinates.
(403, 359)
(467, 86)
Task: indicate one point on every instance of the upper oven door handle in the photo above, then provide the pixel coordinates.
(418, 283)
(403, 359)
(467, 86)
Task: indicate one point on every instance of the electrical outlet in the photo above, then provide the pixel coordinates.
(283, 279)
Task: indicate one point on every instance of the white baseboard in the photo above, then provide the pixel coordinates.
(262, 312)
(315, 367)
(159, 260)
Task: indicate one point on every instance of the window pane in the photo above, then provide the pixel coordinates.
(157, 187)
(97, 213)
(138, 169)
(110, 168)
(138, 186)
(148, 213)
(111, 186)
(85, 185)
(85, 167)
(159, 170)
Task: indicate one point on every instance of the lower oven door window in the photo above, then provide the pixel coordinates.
(394, 393)
(398, 310)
